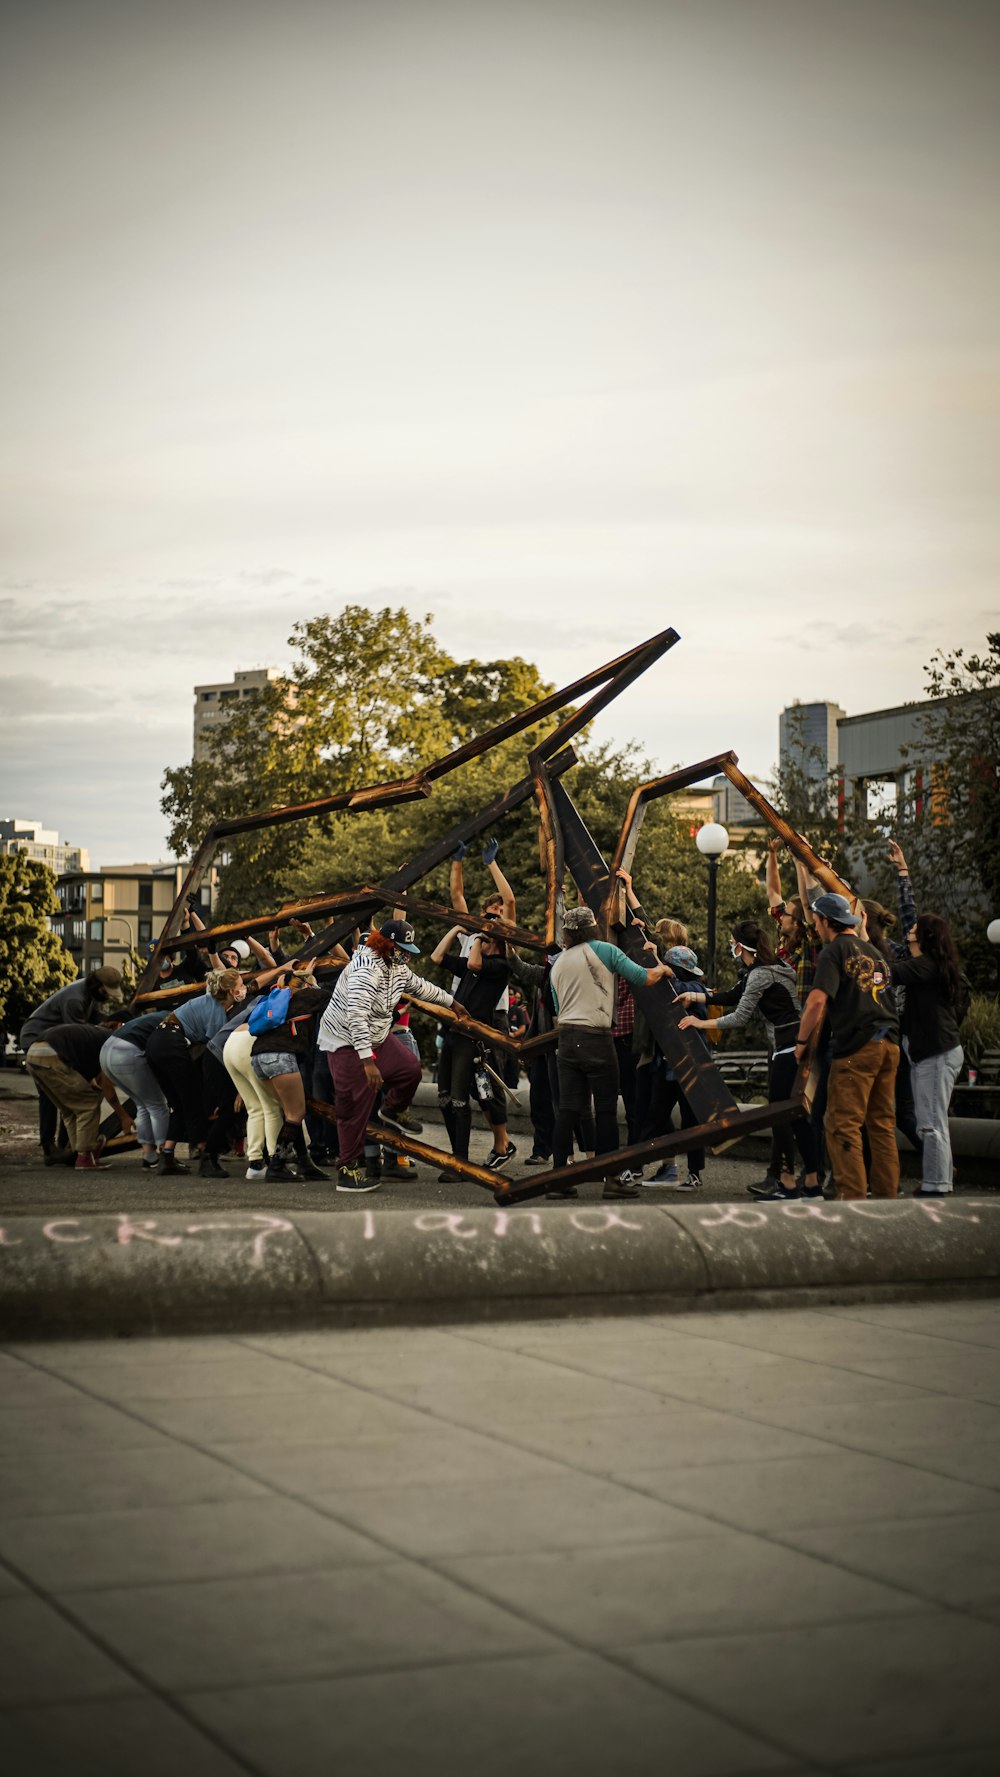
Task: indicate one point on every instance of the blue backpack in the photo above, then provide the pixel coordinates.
(270, 1012)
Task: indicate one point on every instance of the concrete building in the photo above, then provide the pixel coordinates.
(212, 703)
(105, 914)
(808, 737)
(33, 840)
(876, 756)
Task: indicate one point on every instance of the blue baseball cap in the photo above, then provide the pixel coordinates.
(837, 908)
(680, 957)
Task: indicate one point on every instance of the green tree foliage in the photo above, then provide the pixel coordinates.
(33, 961)
(951, 833)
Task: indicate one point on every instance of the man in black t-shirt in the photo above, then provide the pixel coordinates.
(65, 1062)
(852, 987)
(482, 977)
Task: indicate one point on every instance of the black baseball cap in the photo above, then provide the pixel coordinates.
(401, 935)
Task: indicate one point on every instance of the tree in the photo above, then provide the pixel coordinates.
(33, 961)
(362, 703)
(949, 825)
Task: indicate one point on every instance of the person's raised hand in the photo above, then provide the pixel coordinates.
(896, 857)
(459, 852)
(490, 850)
(624, 876)
(774, 845)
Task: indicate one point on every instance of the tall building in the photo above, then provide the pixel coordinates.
(105, 914)
(808, 738)
(38, 842)
(212, 703)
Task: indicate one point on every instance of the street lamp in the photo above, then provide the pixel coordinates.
(993, 934)
(712, 841)
(127, 923)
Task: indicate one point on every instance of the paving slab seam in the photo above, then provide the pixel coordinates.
(943, 1338)
(626, 1482)
(147, 1686)
(430, 1566)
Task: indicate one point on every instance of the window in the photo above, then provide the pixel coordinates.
(208, 697)
(226, 696)
(79, 930)
(97, 930)
(145, 930)
(145, 894)
(96, 962)
(97, 891)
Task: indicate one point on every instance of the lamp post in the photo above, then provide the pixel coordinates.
(993, 934)
(127, 923)
(712, 841)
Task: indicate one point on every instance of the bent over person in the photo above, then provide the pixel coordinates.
(361, 1054)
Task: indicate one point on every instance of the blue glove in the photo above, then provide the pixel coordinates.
(458, 855)
(490, 850)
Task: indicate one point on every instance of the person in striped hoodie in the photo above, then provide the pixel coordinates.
(362, 1055)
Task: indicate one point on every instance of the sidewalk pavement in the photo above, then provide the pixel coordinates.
(698, 1546)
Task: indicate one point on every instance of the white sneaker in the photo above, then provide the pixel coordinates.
(257, 1169)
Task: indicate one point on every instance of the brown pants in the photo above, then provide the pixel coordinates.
(79, 1102)
(862, 1094)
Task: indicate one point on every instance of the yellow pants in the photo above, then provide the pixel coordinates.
(265, 1117)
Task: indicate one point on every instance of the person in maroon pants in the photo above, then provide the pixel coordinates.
(362, 1056)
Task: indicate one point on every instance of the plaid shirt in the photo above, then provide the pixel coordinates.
(803, 960)
(624, 1020)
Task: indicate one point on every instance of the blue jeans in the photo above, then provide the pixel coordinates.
(127, 1068)
(933, 1082)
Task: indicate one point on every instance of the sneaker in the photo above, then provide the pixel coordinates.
(384, 1119)
(667, 1175)
(256, 1170)
(448, 1178)
(810, 1190)
(931, 1191)
(780, 1194)
(494, 1161)
(61, 1157)
(406, 1120)
(373, 1167)
(559, 1193)
(764, 1186)
(621, 1186)
(538, 1160)
(151, 1163)
(352, 1178)
(90, 1163)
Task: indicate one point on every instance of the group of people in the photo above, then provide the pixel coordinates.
(293, 1071)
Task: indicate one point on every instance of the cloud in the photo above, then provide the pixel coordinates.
(27, 698)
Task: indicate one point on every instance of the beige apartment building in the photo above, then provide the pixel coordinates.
(212, 703)
(32, 840)
(105, 914)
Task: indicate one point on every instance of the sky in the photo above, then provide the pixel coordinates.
(562, 320)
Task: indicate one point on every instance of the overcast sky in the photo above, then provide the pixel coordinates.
(562, 321)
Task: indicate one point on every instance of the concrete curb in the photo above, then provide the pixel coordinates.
(114, 1274)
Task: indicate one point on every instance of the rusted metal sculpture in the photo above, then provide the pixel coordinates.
(565, 846)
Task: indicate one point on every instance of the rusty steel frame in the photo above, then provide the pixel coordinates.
(563, 841)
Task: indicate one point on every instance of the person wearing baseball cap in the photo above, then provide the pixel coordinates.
(853, 989)
(362, 1055)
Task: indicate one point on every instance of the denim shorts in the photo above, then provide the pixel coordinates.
(280, 1062)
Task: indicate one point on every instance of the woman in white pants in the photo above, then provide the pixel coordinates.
(937, 999)
(265, 1116)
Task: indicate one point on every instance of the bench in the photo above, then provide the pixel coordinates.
(743, 1070)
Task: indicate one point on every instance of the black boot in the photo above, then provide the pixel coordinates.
(277, 1169)
(303, 1166)
(208, 1167)
(373, 1167)
(167, 1164)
